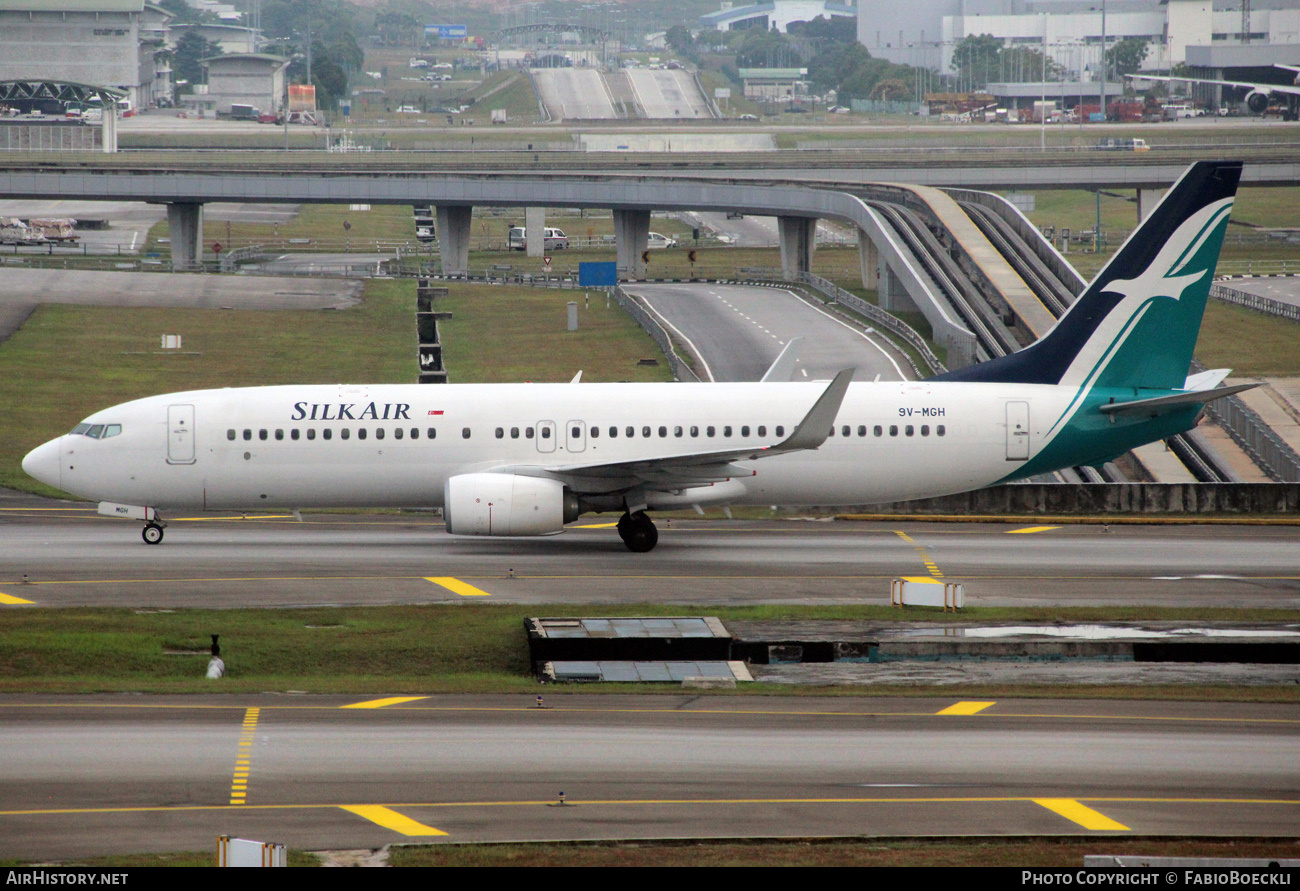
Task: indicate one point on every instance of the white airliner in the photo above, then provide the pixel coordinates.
(1258, 96)
(525, 459)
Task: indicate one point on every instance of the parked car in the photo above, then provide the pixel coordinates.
(517, 240)
(658, 240)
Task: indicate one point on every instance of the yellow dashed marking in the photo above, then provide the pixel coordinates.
(380, 703)
(965, 708)
(239, 780)
(1081, 814)
(596, 526)
(9, 598)
(920, 552)
(456, 586)
(1030, 529)
(390, 819)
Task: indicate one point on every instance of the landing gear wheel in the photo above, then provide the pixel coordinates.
(152, 533)
(638, 532)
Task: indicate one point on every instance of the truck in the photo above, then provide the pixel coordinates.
(498, 115)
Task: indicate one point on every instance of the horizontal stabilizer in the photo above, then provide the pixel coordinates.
(1161, 404)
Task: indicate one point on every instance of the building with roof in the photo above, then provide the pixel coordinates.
(923, 33)
(773, 14)
(253, 79)
(109, 43)
(231, 38)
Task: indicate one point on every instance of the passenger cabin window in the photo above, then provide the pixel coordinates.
(629, 432)
(500, 433)
(909, 430)
(780, 431)
(514, 432)
(710, 431)
(677, 431)
(464, 432)
(762, 431)
(663, 431)
(546, 433)
(230, 434)
(744, 431)
(893, 429)
(878, 430)
(613, 433)
(645, 431)
(248, 434)
(345, 433)
(293, 434)
(397, 433)
(311, 433)
(432, 433)
(726, 431)
(326, 433)
(279, 435)
(595, 432)
(940, 430)
(261, 434)
(379, 433)
(361, 433)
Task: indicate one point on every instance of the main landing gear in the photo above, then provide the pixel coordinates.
(153, 531)
(638, 532)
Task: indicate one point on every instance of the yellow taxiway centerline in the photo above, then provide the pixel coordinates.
(9, 598)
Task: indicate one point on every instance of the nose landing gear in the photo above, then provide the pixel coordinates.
(638, 532)
(153, 531)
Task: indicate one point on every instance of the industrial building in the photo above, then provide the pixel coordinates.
(108, 43)
(1207, 34)
(773, 14)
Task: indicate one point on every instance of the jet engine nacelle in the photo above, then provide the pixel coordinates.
(1256, 101)
(506, 504)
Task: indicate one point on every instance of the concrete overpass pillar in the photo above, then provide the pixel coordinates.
(453, 238)
(869, 261)
(797, 237)
(891, 294)
(185, 228)
(1147, 199)
(535, 230)
(108, 128)
(632, 236)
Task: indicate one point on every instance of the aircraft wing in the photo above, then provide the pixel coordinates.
(679, 471)
(1246, 85)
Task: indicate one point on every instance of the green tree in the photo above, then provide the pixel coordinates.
(1126, 57)
(976, 60)
(186, 65)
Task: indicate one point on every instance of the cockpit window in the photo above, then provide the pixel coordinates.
(97, 431)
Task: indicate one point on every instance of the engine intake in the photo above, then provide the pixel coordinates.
(1257, 102)
(506, 504)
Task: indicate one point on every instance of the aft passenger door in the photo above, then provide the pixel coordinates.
(1017, 431)
(180, 434)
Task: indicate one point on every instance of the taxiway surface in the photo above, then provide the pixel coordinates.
(72, 557)
(86, 775)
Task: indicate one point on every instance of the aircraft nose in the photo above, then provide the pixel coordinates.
(44, 463)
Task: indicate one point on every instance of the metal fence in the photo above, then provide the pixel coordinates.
(1254, 301)
(1255, 437)
(681, 370)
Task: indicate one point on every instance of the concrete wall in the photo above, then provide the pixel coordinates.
(82, 47)
(1034, 499)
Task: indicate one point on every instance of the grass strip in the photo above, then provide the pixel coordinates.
(448, 648)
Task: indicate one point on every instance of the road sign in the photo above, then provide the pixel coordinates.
(547, 261)
(597, 275)
(690, 255)
(645, 256)
(216, 247)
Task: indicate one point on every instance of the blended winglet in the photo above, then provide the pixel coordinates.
(815, 427)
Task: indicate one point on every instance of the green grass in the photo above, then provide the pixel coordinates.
(1248, 342)
(446, 648)
(501, 334)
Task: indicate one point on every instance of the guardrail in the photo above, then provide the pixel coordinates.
(1256, 302)
(1255, 437)
(681, 370)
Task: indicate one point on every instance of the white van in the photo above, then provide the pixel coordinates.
(517, 240)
